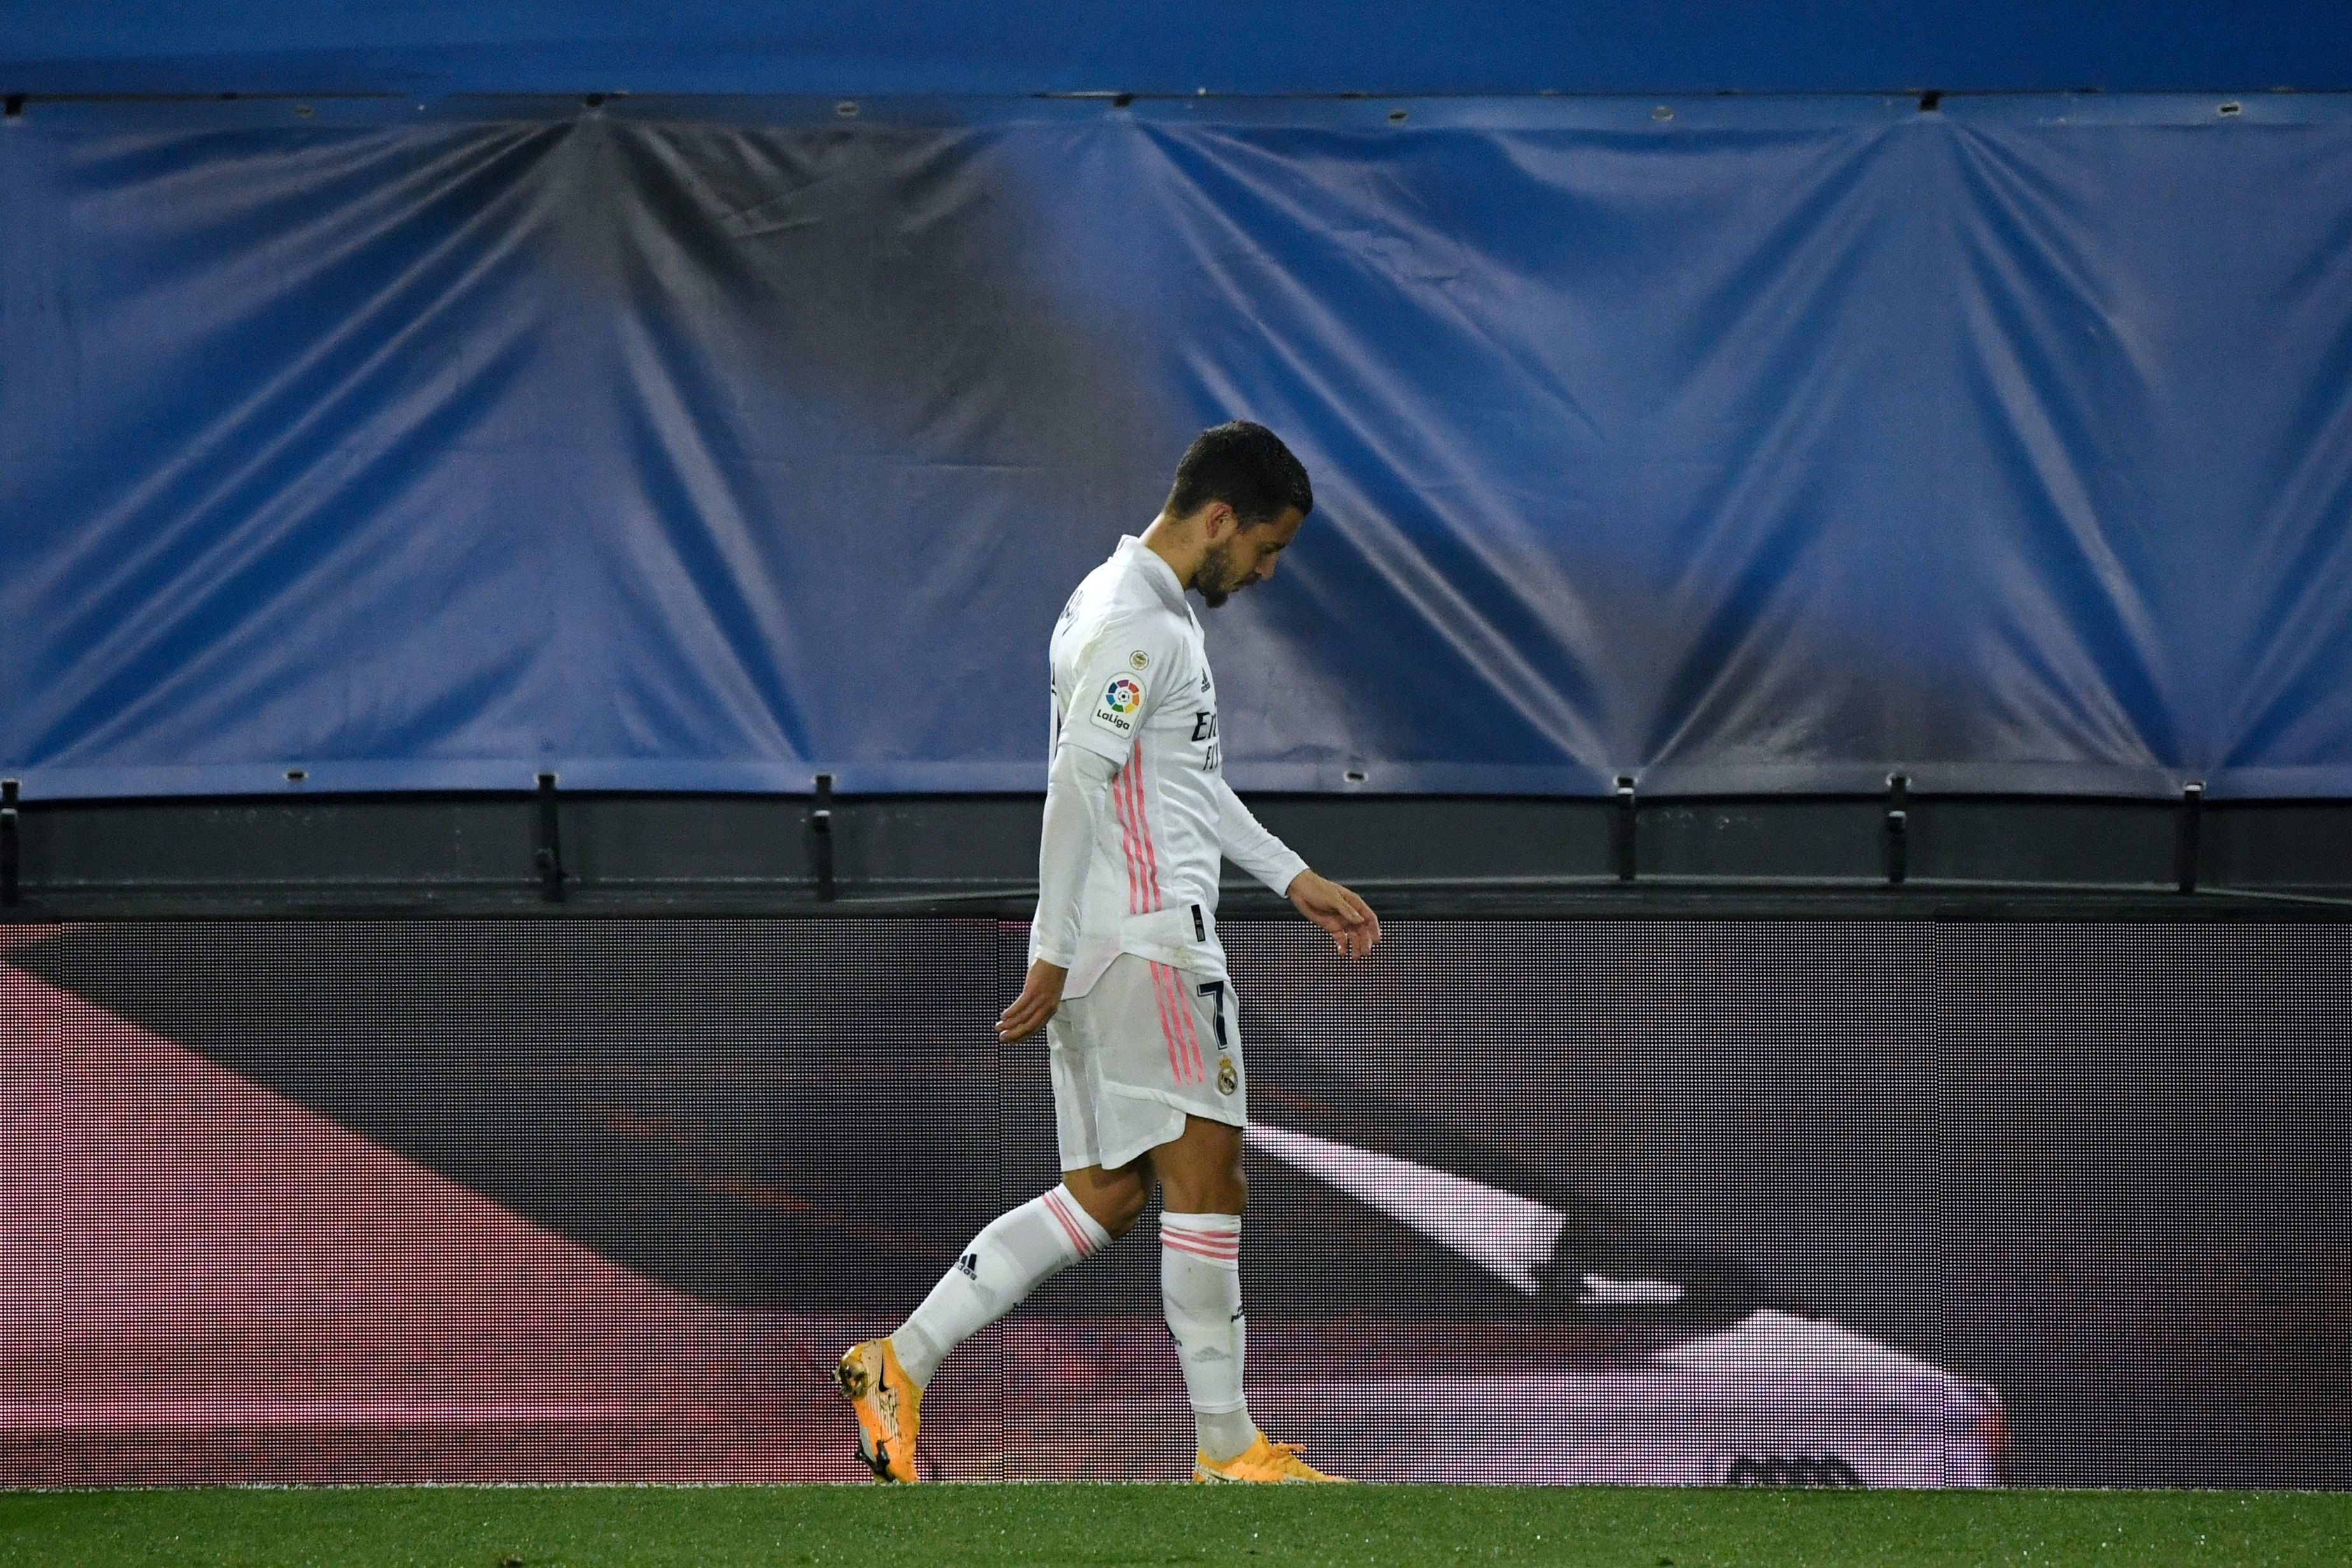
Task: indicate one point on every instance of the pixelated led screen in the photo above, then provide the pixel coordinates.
(1531, 1201)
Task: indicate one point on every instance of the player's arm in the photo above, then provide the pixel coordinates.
(1077, 791)
(1117, 690)
(1245, 842)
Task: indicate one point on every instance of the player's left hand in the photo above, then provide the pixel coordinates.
(1349, 920)
(1041, 993)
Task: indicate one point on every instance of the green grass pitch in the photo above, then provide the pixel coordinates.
(1100, 1526)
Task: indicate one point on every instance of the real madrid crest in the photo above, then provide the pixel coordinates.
(1139, 659)
(1228, 1079)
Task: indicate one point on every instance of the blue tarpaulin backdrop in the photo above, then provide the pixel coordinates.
(1736, 445)
(1020, 46)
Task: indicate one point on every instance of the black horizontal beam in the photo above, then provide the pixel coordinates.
(1961, 857)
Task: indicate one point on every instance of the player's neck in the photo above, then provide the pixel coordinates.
(1179, 543)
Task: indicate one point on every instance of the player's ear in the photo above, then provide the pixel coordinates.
(1223, 522)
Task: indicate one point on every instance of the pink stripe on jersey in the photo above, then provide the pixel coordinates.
(1192, 1033)
(1127, 839)
(1184, 1035)
(1167, 1028)
(1132, 825)
(1191, 1022)
(1176, 1026)
(1077, 1234)
(1143, 821)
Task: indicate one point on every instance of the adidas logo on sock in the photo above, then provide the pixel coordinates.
(969, 1265)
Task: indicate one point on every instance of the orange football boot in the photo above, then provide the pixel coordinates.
(1262, 1462)
(888, 1405)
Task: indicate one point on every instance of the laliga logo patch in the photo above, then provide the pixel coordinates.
(1122, 700)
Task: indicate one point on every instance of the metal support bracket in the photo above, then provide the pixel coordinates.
(2189, 836)
(1621, 830)
(547, 844)
(820, 827)
(8, 850)
(1898, 827)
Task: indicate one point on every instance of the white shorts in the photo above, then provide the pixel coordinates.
(1148, 1045)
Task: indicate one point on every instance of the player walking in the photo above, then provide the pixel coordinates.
(1126, 973)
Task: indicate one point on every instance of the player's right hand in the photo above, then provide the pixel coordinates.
(1041, 993)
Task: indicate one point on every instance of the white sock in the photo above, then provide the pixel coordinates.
(1201, 1290)
(1019, 1251)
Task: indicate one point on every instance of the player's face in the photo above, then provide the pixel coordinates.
(1246, 557)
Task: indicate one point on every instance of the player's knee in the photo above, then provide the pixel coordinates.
(1114, 1205)
(1126, 1208)
(1219, 1192)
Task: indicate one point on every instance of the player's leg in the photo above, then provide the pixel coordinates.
(1202, 1192)
(1113, 1199)
(1013, 1255)
(1017, 1251)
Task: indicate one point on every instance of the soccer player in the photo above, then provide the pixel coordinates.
(1126, 973)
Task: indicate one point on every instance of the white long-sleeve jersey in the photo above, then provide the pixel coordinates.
(1138, 812)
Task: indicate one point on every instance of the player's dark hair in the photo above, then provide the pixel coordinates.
(1247, 467)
